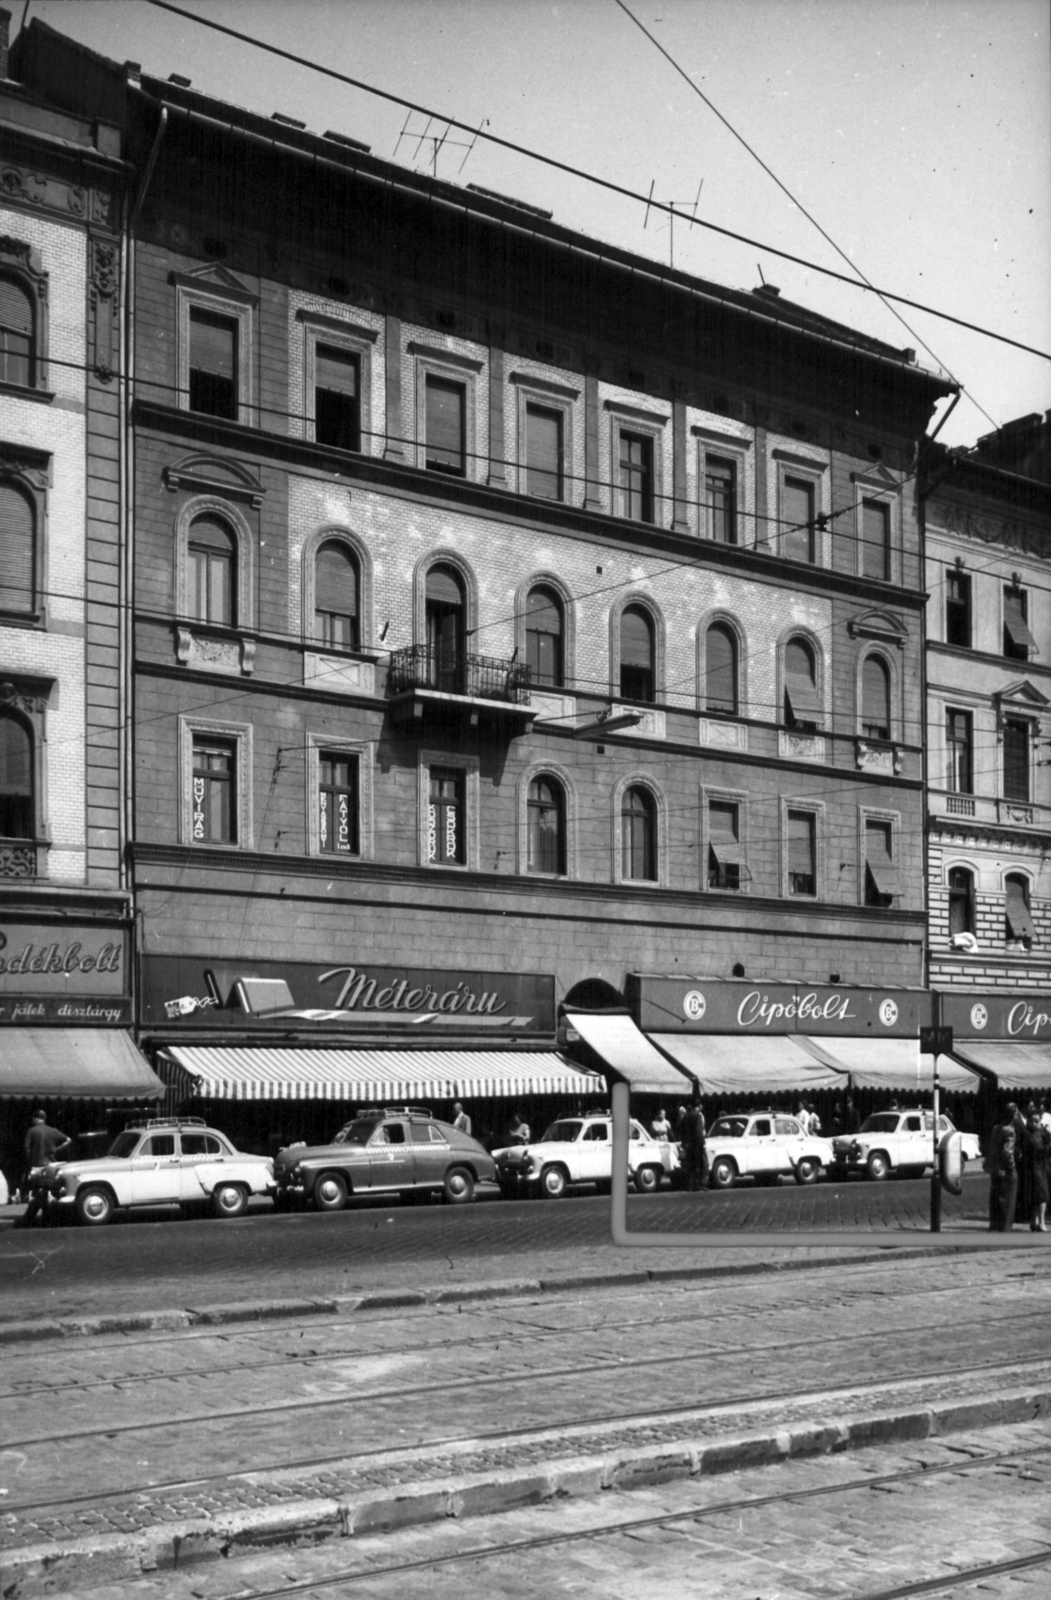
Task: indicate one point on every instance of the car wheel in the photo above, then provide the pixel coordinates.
(553, 1182)
(229, 1200)
(330, 1192)
(458, 1187)
(724, 1173)
(648, 1179)
(94, 1206)
(806, 1170)
(877, 1166)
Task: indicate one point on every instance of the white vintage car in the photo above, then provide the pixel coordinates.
(895, 1141)
(765, 1146)
(580, 1150)
(166, 1161)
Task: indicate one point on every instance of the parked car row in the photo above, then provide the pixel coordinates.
(405, 1151)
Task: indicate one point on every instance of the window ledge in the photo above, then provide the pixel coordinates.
(23, 619)
(339, 673)
(27, 391)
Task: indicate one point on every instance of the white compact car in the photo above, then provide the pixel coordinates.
(895, 1141)
(766, 1146)
(580, 1150)
(167, 1161)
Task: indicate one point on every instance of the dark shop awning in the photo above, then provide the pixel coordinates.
(380, 1077)
(74, 1064)
(892, 1064)
(742, 1063)
(1014, 1064)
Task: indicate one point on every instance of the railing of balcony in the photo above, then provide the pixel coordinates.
(421, 666)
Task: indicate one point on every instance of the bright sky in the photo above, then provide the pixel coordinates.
(916, 132)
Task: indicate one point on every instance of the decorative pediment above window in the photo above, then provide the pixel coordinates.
(205, 474)
(1020, 696)
(216, 279)
(25, 692)
(888, 626)
(23, 461)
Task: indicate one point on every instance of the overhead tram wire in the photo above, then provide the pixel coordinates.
(593, 178)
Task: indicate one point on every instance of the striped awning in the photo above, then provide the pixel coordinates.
(892, 1064)
(381, 1077)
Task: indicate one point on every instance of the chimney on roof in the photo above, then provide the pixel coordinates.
(768, 291)
(5, 41)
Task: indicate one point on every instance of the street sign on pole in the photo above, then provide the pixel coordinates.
(935, 1041)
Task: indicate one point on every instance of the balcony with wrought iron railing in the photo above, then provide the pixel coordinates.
(425, 683)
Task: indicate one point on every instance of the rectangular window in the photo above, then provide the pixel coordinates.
(1019, 643)
(720, 499)
(959, 748)
(725, 867)
(958, 609)
(337, 388)
(337, 803)
(446, 818)
(213, 363)
(636, 476)
(213, 792)
(881, 875)
(1016, 759)
(802, 839)
(875, 539)
(797, 519)
(1018, 921)
(446, 426)
(544, 452)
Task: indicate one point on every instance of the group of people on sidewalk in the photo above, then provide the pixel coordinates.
(1019, 1167)
(690, 1134)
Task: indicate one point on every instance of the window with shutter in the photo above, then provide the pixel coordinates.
(1016, 758)
(17, 355)
(875, 698)
(336, 597)
(445, 422)
(875, 539)
(1018, 920)
(336, 398)
(725, 863)
(720, 670)
(17, 810)
(797, 519)
(1019, 643)
(637, 665)
(802, 706)
(544, 452)
(802, 868)
(17, 550)
(882, 880)
(213, 363)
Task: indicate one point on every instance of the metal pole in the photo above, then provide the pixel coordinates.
(936, 1177)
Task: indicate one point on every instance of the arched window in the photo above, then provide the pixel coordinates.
(446, 614)
(802, 706)
(720, 669)
(17, 351)
(545, 634)
(1018, 920)
(17, 550)
(875, 698)
(637, 654)
(16, 779)
(211, 551)
(961, 901)
(546, 826)
(638, 835)
(336, 621)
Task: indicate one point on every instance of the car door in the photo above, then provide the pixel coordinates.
(789, 1143)
(431, 1153)
(595, 1154)
(154, 1175)
(202, 1164)
(390, 1157)
(760, 1148)
(915, 1141)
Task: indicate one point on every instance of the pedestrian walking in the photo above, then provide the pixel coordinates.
(661, 1127)
(694, 1154)
(815, 1121)
(42, 1144)
(1034, 1158)
(519, 1132)
(461, 1120)
(803, 1117)
(1003, 1172)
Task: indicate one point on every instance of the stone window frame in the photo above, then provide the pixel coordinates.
(25, 696)
(895, 734)
(626, 418)
(319, 327)
(868, 814)
(789, 464)
(725, 619)
(443, 557)
(30, 471)
(961, 864)
(533, 390)
(640, 780)
(192, 726)
(211, 505)
(548, 580)
(817, 809)
(336, 533)
(730, 446)
(640, 598)
(363, 752)
(801, 631)
(471, 767)
(546, 769)
(873, 487)
(224, 300)
(450, 367)
(23, 262)
(1010, 711)
(726, 796)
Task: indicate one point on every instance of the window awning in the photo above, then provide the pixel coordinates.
(231, 1072)
(1019, 920)
(628, 1052)
(891, 1064)
(885, 874)
(748, 1064)
(803, 698)
(74, 1064)
(1015, 1065)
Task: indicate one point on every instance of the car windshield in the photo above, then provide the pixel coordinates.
(730, 1128)
(359, 1131)
(881, 1122)
(562, 1133)
(125, 1144)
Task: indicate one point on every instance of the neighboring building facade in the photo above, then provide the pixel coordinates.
(988, 550)
(512, 616)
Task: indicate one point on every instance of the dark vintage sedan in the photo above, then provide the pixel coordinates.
(401, 1150)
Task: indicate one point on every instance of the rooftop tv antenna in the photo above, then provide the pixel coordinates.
(435, 134)
(690, 214)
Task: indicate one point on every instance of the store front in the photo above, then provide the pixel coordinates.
(1007, 1037)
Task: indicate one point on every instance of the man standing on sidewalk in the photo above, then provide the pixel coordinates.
(42, 1144)
(693, 1146)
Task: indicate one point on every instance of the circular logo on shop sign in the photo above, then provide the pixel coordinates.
(979, 1016)
(888, 1013)
(695, 1005)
